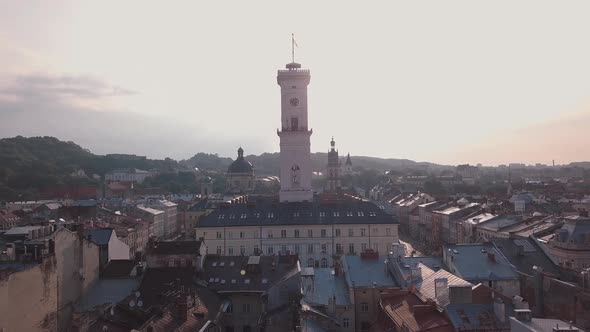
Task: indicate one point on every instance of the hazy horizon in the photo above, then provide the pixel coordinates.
(449, 83)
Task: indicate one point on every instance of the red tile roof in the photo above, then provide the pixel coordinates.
(409, 311)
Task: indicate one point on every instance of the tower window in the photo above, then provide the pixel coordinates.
(293, 87)
(294, 124)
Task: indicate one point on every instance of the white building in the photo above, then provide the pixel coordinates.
(294, 135)
(170, 225)
(110, 246)
(128, 175)
(155, 217)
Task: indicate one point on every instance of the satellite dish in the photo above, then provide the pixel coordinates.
(139, 303)
(243, 272)
(131, 303)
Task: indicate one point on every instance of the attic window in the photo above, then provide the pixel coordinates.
(265, 281)
(223, 281)
(257, 215)
(247, 281)
(214, 264)
(232, 216)
(221, 216)
(349, 214)
(336, 214)
(222, 264)
(322, 214)
(211, 279)
(271, 215)
(243, 216)
(233, 281)
(372, 214)
(296, 214)
(231, 263)
(361, 214)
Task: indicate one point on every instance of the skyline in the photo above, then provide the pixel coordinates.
(392, 81)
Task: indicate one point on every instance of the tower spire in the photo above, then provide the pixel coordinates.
(293, 44)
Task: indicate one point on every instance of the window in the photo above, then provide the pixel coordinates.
(310, 262)
(323, 233)
(241, 235)
(295, 214)
(338, 248)
(349, 214)
(271, 215)
(230, 251)
(345, 322)
(269, 234)
(221, 216)
(283, 249)
(297, 249)
(350, 232)
(337, 232)
(336, 214)
(270, 250)
(363, 247)
(372, 214)
(364, 307)
(310, 233)
(351, 248)
(230, 235)
(246, 308)
(322, 214)
(219, 250)
(310, 248)
(218, 235)
(324, 262)
(256, 250)
(360, 214)
(375, 231)
(230, 309)
(243, 216)
(232, 216)
(296, 233)
(242, 250)
(324, 248)
(257, 215)
(376, 247)
(388, 231)
(283, 233)
(363, 232)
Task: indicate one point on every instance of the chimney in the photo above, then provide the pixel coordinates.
(182, 307)
(492, 257)
(538, 286)
(523, 315)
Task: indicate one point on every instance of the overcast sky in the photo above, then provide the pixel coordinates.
(443, 81)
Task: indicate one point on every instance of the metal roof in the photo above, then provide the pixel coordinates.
(323, 284)
(473, 262)
(100, 236)
(366, 272)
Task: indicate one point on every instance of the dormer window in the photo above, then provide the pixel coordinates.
(322, 214)
(221, 216)
(271, 215)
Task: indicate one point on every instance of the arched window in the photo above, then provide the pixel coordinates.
(310, 262)
(324, 262)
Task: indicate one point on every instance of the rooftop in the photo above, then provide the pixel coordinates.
(474, 317)
(266, 212)
(320, 284)
(118, 268)
(22, 230)
(99, 236)
(247, 274)
(530, 255)
(176, 248)
(479, 262)
(366, 272)
(107, 291)
(543, 324)
(409, 311)
(426, 289)
(149, 210)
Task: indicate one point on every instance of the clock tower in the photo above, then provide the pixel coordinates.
(294, 135)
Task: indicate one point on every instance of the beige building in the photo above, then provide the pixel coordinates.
(315, 231)
(155, 217)
(570, 245)
(170, 225)
(240, 175)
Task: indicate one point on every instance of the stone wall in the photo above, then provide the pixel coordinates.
(29, 298)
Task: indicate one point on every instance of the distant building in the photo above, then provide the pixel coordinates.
(333, 183)
(176, 254)
(110, 246)
(523, 321)
(128, 175)
(240, 175)
(347, 168)
(570, 244)
(8, 220)
(155, 217)
(170, 209)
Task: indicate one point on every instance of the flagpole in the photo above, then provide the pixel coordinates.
(293, 47)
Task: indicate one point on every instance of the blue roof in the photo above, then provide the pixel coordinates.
(318, 289)
(107, 291)
(473, 316)
(473, 262)
(363, 272)
(99, 236)
(85, 203)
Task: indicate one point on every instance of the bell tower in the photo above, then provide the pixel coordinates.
(294, 134)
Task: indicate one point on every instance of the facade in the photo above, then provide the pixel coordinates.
(316, 231)
(404, 206)
(240, 175)
(110, 246)
(333, 169)
(176, 254)
(170, 215)
(155, 217)
(295, 172)
(8, 220)
(134, 233)
(128, 175)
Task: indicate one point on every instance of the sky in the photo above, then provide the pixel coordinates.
(450, 82)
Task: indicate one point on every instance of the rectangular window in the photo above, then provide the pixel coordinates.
(363, 247)
(297, 249)
(345, 323)
(230, 235)
(246, 308)
(376, 247)
(322, 214)
(351, 248)
(241, 235)
(310, 233)
(310, 248)
(283, 233)
(361, 214)
(338, 248)
(230, 251)
(375, 231)
(296, 233)
(242, 250)
(256, 250)
(324, 248)
(323, 233)
(218, 235)
(230, 309)
(269, 234)
(363, 232)
(283, 249)
(388, 231)
(350, 232)
(336, 214)
(270, 250)
(219, 250)
(337, 232)
(364, 307)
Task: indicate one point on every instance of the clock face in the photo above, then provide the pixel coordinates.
(294, 102)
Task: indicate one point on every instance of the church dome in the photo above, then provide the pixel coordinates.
(240, 165)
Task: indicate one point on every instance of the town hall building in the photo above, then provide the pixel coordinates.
(316, 227)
